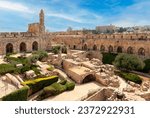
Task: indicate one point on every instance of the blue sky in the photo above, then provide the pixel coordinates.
(15, 15)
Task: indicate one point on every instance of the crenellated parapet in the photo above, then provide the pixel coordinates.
(17, 34)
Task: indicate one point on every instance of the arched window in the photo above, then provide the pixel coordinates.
(74, 47)
(130, 50)
(22, 47)
(34, 46)
(94, 47)
(85, 47)
(119, 49)
(141, 52)
(102, 48)
(110, 49)
(9, 48)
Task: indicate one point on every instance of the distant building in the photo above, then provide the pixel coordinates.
(106, 29)
(37, 27)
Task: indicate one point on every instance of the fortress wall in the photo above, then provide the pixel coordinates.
(136, 41)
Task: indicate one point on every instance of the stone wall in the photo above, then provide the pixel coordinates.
(127, 43)
(11, 42)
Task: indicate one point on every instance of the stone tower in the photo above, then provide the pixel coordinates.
(41, 23)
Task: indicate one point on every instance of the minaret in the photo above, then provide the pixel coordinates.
(41, 24)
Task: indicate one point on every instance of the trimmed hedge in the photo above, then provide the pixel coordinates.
(63, 82)
(55, 89)
(18, 95)
(38, 84)
(6, 68)
(70, 85)
(130, 77)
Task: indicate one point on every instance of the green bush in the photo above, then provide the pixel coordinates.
(147, 66)
(40, 54)
(6, 68)
(34, 58)
(56, 49)
(130, 77)
(38, 84)
(18, 95)
(108, 58)
(70, 85)
(129, 62)
(63, 82)
(54, 89)
(59, 88)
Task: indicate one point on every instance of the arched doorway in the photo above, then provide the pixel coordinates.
(130, 50)
(34, 46)
(9, 48)
(22, 47)
(89, 78)
(102, 48)
(74, 47)
(94, 47)
(85, 47)
(119, 49)
(141, 52)
(110, 49)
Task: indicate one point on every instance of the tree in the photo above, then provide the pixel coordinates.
(128, 62)
(147, 66)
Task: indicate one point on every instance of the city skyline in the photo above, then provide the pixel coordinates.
(59, 15)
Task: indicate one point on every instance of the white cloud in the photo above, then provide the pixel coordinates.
(66, 17)
(136, 14)
(14, 6)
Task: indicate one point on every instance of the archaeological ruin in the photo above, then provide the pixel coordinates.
(36, 38)
(85, 77)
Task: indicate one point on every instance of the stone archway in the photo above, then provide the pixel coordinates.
(119, 49)
(85, 47)
(141, 52)
(23, 47)
(74, 47)
(89, 78)
(94, 47)
(35, 46)
(102, 48)
(130, 50)
(9, 48)
(110, 49)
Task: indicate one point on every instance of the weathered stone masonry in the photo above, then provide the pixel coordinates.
(37, 39)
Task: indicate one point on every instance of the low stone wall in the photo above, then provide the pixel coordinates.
(101, 95)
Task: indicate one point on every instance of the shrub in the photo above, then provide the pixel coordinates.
(130, 77)
(34, 68)
(147, 66)
(56, 49)
(63, 82)
(55, 89)
(34, 58)
(108, 58)
(70, 85)
(6, 68)
(18, 95)
(38, 84)
(51, 90)
(59, 88)
(41, 54)
(129, 62)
